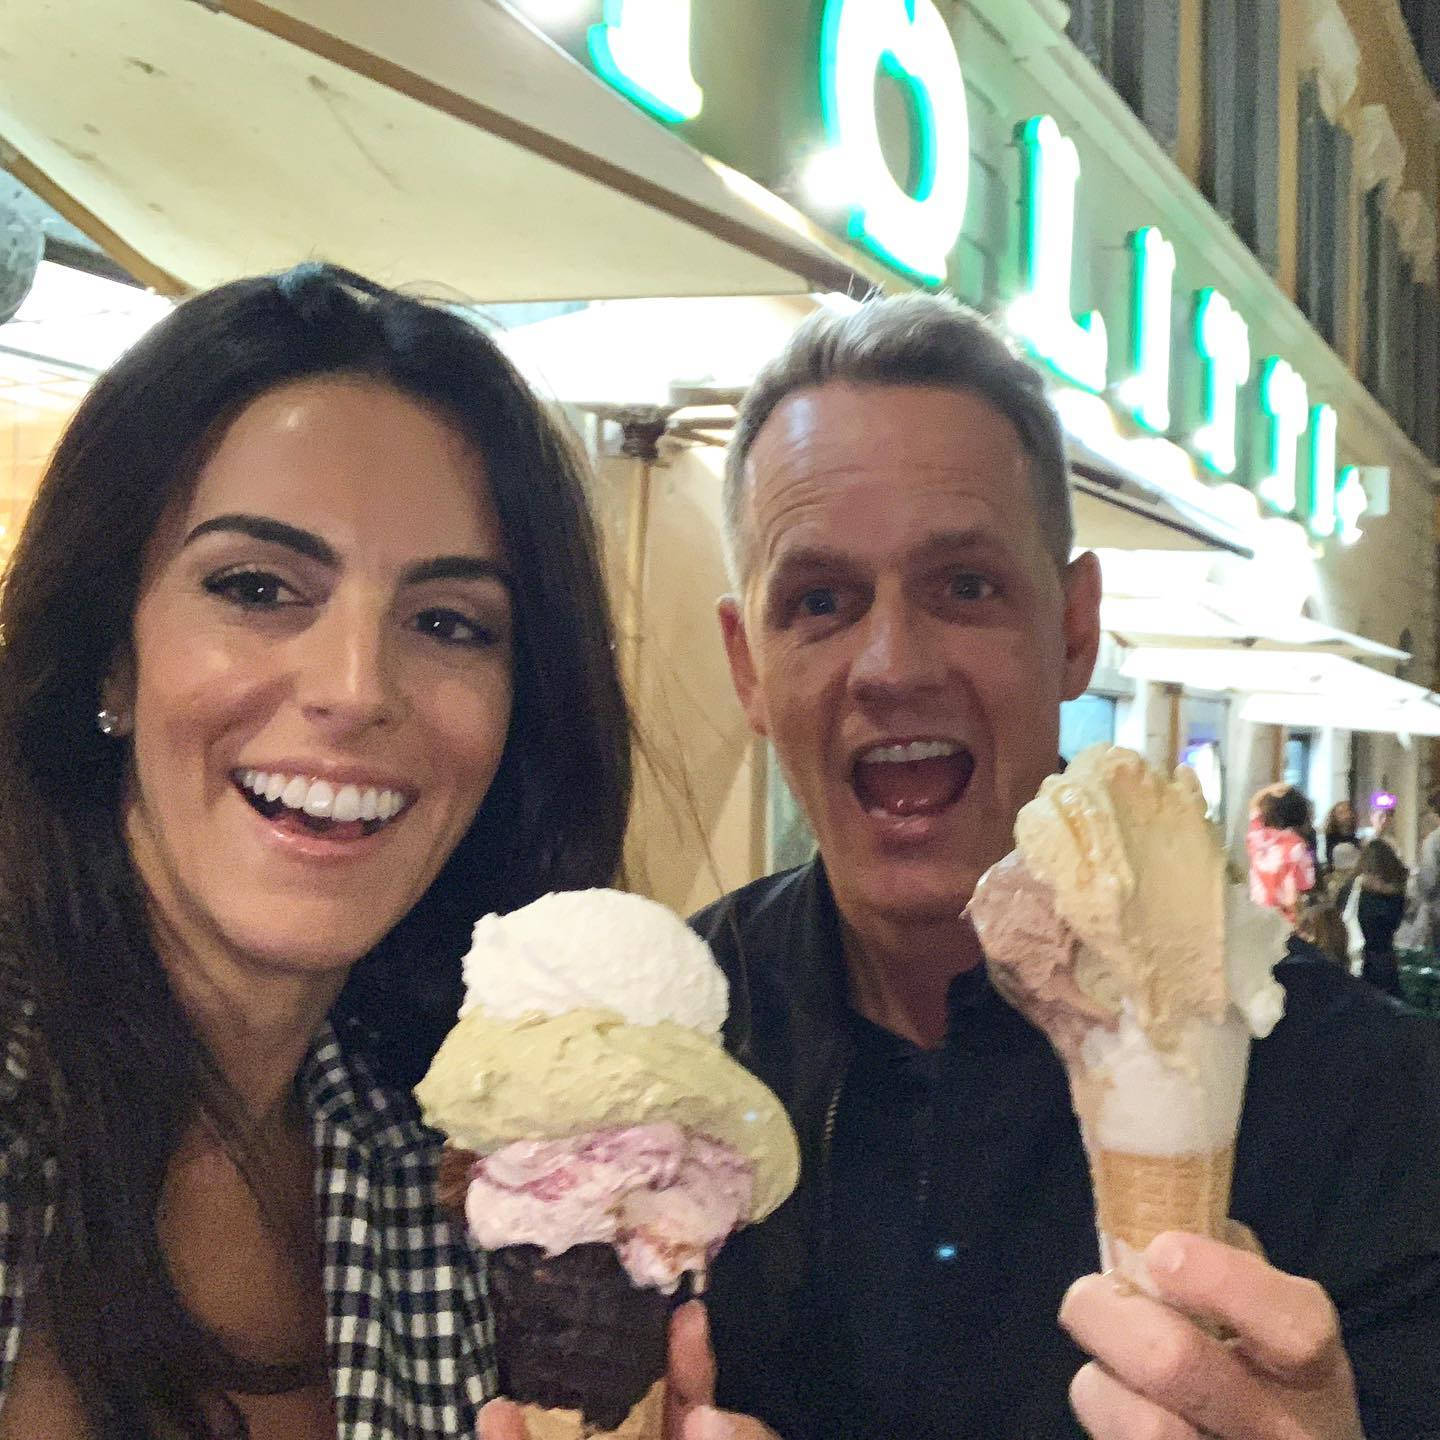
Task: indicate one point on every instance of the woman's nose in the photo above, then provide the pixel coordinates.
(345, 673)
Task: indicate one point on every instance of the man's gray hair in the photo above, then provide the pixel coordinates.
(914, 339)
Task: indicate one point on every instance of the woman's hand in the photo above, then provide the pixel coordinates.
(1283, 1376)
(690, 1412)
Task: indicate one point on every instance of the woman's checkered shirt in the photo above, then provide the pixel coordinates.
(410, 1337)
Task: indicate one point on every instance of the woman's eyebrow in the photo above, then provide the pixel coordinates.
(273, 532)
(458, 567)
(304, 542)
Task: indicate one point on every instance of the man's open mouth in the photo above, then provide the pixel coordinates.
(918, 777)
(340, 812)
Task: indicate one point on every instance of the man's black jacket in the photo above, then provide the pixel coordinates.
(836, 1317)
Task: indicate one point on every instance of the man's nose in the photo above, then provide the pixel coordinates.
(897, 655)
(345, 671)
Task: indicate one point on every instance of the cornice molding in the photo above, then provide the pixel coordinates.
(1330, 51)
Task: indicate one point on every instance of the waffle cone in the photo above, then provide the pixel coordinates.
(645, 1421)
(1139, 1196)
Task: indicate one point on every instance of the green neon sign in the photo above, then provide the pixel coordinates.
(1145, 392)
(1320, 456)
(1076, 348)
(907, 40)
(1222, 340)
(1285, 401)
(1351, 503)
(642, 47)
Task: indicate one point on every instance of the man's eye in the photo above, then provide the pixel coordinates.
(251, 589)
(818, 602)
(450, 627)
(971, 587)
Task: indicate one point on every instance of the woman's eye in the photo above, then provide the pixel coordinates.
(971, 587)
(252, 589)
(450, 627)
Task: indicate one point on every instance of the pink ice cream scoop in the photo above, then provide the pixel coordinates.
(665, 1200)
(1031, 953)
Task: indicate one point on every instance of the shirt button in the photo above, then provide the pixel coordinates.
(946, 1251)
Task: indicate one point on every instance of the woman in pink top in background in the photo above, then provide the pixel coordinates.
(1282, 863)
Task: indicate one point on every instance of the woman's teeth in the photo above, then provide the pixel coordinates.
(321, 800)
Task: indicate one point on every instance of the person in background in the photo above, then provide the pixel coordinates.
(909, 613)
(1282, 860)
(1427, 883)
(1320, 927)
(1381, 885)
(1382, 823)
(1339, 830)
(307, 664)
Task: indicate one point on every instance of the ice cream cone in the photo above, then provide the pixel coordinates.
(574, 1335)
(1137, 1197)
(645, 1421)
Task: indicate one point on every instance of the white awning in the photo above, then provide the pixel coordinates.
(1405, 710)
(446, 144)
(1176, 631)
(1296, 688)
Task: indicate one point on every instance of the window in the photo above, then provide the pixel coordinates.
(1324, 219)
(1091, 28)
(790, 839)
(1427, 371)
(1241, 129)
(1135, 44)
(1202, 747)
(1090, 720)
(1299, 744)
(1374, 308)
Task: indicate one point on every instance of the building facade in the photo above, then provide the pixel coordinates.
(1212, 222)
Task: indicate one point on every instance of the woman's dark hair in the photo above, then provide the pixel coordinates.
(118, 1074)
(1333, 825)
(1382, 869)
(1284, 808)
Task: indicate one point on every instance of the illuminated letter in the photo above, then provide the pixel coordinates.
(1320, 471)
(642, 48)
(1145, 392)
(909, 41)
(1285, 400)
(1351, 502)
(1041, 316)
(1223, 341)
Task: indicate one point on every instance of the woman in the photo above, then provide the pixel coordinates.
(1282, 861)
(307, 663)
(1382, 881)
(1339, 830)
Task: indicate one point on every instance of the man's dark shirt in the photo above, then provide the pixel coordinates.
(909, 1288)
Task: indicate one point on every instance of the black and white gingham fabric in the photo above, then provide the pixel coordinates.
(410, 1337)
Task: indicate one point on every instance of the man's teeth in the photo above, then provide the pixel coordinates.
(320, 799)
(915, 750)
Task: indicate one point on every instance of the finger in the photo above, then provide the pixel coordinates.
(1161, 1356)
(1107, 1409)
(707, 1423)
(1284, 1324)
(501, 1420)
(692, 1361)
(1242, 1237)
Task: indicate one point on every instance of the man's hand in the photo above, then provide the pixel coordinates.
(690, 1412)
(1157, 1375)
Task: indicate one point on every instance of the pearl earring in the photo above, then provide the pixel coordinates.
(108, 721)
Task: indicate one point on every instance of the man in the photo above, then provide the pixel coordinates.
(907, 622)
